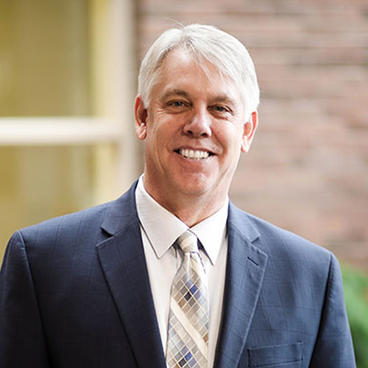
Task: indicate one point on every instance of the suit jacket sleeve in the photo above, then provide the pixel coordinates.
(22, 342)
(334, 346)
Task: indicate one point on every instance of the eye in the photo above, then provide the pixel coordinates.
(175, 106)
(220, 109)
(177, 103)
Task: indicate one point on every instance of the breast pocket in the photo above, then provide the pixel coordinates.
(280, 356)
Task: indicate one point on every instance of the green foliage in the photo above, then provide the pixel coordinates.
(356, 296)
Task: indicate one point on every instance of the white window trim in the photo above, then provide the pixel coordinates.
(65, 130)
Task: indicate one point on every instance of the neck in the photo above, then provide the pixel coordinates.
(193, 213)
(191, 209)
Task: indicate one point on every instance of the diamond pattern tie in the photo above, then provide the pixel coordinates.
(187, 340)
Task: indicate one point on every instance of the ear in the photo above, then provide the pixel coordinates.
(140, 114)
(249, 129)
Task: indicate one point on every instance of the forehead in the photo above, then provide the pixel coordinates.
(182, 70)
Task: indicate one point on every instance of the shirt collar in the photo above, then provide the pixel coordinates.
(212, 232)
(163, 228)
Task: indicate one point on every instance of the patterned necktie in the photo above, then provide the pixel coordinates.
(187, 340)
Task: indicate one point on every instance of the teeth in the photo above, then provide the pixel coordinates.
(194, 155)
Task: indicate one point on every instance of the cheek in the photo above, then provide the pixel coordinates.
(158, 138)
(230, 138)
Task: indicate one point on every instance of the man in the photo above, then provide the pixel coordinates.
(99, 288)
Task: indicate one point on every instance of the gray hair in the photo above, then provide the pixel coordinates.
(219, 48)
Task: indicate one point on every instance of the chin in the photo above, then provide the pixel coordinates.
(194, 187)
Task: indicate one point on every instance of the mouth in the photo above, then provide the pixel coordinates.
(194, 154)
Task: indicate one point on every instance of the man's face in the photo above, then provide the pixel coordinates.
(194, 131)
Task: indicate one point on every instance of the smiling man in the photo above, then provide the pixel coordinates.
(172, 274)
(195, 126)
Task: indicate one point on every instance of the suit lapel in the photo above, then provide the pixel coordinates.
(123, 262)
(244, 276)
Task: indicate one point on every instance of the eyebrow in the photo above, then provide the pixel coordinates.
(179, 92)
(175, 92)
(223, 98)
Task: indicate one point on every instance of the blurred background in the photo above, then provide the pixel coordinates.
(68, 73)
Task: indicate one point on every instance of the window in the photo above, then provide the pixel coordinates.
(67, 76)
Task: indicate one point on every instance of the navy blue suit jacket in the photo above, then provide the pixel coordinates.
(75, 293)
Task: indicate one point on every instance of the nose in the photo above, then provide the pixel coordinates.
(199, 124)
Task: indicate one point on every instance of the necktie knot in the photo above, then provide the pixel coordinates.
(188, 242)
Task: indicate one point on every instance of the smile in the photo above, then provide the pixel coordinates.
(193, 154)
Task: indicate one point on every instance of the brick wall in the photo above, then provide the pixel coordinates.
(308, 168)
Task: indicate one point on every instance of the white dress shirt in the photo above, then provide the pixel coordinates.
(160, 228)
